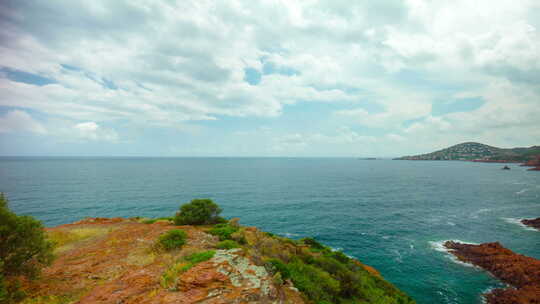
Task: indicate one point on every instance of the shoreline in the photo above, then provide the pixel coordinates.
(521, 272)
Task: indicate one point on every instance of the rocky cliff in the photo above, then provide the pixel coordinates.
(102, 260)
(522, 273)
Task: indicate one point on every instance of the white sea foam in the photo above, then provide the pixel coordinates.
(439, 246)
(518, 222)
(289, 235)
(398, 258)
(478, 212)
(522, 191)
(341, 249)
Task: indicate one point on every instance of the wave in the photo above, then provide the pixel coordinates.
(522, 191)
(289, 235)
(475, 214)
(439, 246)
(518, 222)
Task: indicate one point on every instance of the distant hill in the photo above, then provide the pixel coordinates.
(480, 152)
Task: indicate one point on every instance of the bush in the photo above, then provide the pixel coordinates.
(198, 212)
(315, 283)
(227, 244)
(311, 242)
(223, 231)
(24, 249)
(200, 256)
(172, 239)
(277, 266)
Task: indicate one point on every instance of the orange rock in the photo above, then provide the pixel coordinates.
(120, 265)
(520, 271)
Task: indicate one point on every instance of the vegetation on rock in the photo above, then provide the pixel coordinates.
(224, 231)
(112, 259)
(198, 212)
(227, 244)
(169, 279)
(172, 239)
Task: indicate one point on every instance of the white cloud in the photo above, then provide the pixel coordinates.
(20, 121)
(175, 64)
(91, 131)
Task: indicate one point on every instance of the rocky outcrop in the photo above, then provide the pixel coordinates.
(115, 260)
(522, 273)
(534, 162)
(535, 223)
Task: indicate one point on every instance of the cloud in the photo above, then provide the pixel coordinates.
(20, 121)
(178, 65)
(91, 131)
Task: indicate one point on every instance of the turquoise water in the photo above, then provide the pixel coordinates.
(392, 215)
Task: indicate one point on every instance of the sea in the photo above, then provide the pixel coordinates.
(393, 215)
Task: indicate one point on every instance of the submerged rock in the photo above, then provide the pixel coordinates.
(522, 273)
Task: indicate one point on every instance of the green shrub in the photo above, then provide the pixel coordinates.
(198, 212)
(172, 239)
(277, 266)
(227, 244)
(223, 231)
(24, 249)
(340, 256)
(315, 283)
(200, 256)
(311, 242)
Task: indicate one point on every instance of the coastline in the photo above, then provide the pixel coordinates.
(111, 260)
(521, 272)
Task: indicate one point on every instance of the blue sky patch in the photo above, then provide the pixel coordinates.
(252, 76)
(24, 77)
(456, 105)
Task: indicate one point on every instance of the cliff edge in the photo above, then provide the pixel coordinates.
(115, 260)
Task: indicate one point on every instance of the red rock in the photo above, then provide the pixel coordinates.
(519, 271)
(535, 162)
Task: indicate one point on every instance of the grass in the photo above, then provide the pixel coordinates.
(154, 220)
(169, 278)
(198, 257)
(223, 231)
(141, 258)
(48, 300)
(65, 239)
(227, 244)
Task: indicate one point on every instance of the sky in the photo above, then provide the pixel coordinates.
(267, 78)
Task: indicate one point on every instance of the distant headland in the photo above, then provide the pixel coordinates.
(473, 151)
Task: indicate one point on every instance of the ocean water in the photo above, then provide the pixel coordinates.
(393, 215)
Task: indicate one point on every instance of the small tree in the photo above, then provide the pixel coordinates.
(24, 249)
(172, 239)
(198, 212)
